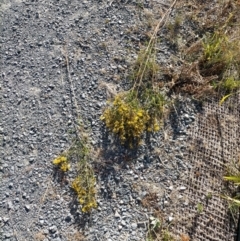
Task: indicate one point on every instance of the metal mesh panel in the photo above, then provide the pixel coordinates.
(214, 144)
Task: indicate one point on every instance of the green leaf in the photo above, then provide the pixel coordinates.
(224, 98)
(235, 179)
(234, 200)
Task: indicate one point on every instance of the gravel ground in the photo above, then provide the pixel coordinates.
(100, 39)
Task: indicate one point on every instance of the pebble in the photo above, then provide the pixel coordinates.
(123, 223)
(5, 219)
(27, 207)
(10, 205)
(182, 188)
(134, 226)
(117, 215)
(53, 229)
(8, 235)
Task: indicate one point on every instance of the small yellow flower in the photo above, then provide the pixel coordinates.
(65, 166)
(156, 127)
(81, 201)
(56, 161)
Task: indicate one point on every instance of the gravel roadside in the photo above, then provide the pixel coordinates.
(101, 40)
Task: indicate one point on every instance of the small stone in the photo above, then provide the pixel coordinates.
(117, 215)
(142, 194)
(10, 205)
(7, 235)
(27, 207)
(134, 226)
(53, 229)
(10, 185)
(57, 239)
(119, 227)
(182, 188)
(170, 218)
(5, 219)
(170, 188)
(123, 223)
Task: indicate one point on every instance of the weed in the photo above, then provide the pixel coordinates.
(145, 68)
(150, 201)
(209, 196)
(126, 118)
(153, 226)
(167, 236)
(139, 5)
(224, 98)
(84, 183)
(229, 85)
(140, 109)
(213, 49)
(210, 64)
(233, 176)
(174, 27)
(199, 207)
(79, 151)
(157, 230)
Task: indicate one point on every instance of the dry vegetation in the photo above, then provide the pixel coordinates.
(207, 60)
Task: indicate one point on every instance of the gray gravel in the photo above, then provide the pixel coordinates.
(101, 39)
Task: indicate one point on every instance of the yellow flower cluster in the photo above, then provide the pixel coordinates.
(62, 162)
(126, 119)
(153, 125)
(86, 192)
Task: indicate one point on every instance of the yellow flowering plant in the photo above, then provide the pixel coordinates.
(85, 190)
(125, 118)
(129, 118)
(84, 183)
